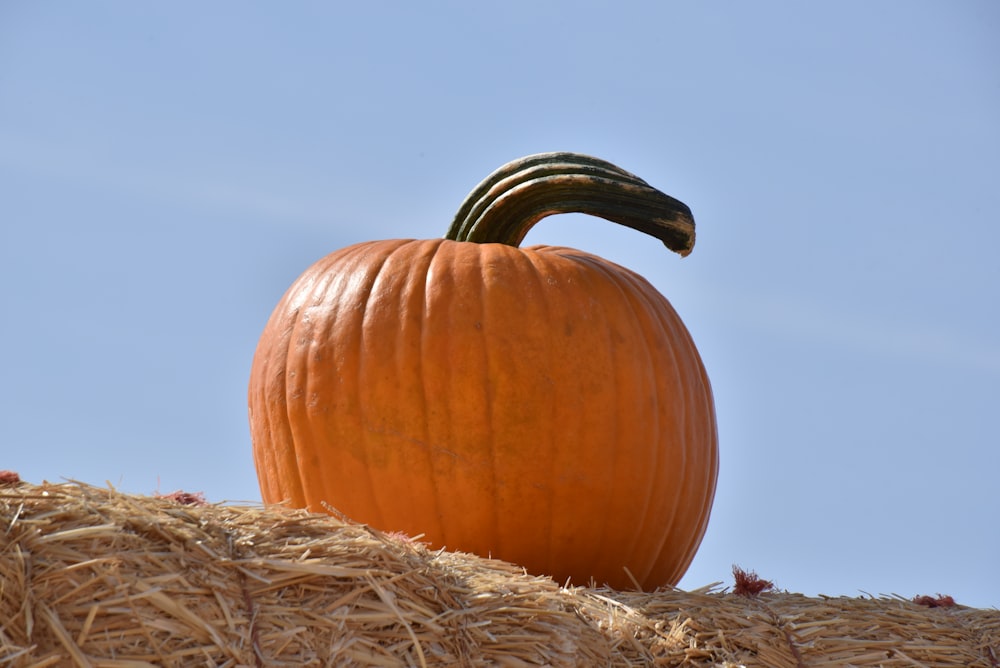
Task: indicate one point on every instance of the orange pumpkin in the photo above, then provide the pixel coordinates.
(541, 405)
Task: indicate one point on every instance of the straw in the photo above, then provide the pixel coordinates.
(93, 577)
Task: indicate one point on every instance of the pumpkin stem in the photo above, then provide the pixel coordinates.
(509, 201)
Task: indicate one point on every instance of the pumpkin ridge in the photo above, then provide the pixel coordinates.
(362, 381)
(291, 372)
(427, 273)
(639, 325)
(614, 465)
(696, 403)
(293, 376)
(326, 283)
(419, 444)
(640, 318)
(641, 296)
(491, 400)
(463, 327)
(536, 259)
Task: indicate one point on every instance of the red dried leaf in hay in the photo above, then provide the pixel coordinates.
(9, 478)
(185, 498)
(748, 583)
(932, 602)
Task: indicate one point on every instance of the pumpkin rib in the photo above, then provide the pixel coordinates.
(389, 305)
(609, 520)
(697, 400)
(538, 269)
(326, 282)
(667, 526)
(290, 462)
(384, 310)
(709, 468)
(276, 460)
(638, 320)
(321, 284)
(416, 447)
(301, 490)
(598, 280)
(295, 425)
(343, 363)
(566, 454)
(651, 312)
(677, 460)
(504, 485)
(361, 381)
(294, 314)
(666, 529)
(277, 414)
(421, 374)
(490, 417)
(458, 459)
(444, 452)
(601, 479)
(639, 325)
(264, 459)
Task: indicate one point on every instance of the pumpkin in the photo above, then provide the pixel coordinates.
(541, 405)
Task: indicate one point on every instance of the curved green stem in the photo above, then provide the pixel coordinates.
(509, 201)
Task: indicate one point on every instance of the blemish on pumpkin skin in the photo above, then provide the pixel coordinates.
(374, 428)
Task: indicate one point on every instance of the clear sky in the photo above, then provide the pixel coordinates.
(168, 169)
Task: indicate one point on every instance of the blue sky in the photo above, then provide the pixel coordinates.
(167, 170)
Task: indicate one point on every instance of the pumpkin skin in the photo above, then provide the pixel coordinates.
(541, 405)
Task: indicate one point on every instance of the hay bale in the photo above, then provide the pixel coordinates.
(93, 577)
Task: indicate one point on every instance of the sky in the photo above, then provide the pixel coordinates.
(168, 169)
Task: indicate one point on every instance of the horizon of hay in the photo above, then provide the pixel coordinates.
(93, 577)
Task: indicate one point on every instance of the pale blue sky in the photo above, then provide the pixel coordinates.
(167, 170)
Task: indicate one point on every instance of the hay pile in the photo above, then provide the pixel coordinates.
(93, 577)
